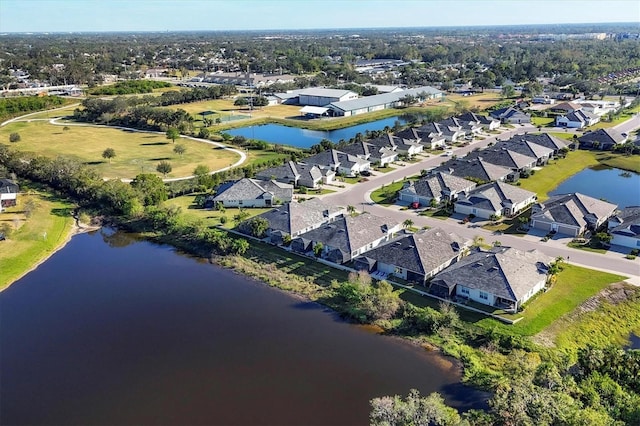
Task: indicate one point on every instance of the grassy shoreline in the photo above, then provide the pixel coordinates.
(48, 230)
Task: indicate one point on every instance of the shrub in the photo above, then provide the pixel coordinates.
(14, 137)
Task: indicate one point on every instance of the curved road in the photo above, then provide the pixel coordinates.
(358, 195)
(54, 121)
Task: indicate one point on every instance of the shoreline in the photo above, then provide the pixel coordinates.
(76, 229)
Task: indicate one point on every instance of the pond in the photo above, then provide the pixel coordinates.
(614, 185)
(634, 342)
(304, 138)
(113, 330)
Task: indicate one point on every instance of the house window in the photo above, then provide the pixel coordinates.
(484, 295)
(464, 290)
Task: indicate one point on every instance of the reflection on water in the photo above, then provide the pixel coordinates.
(142, 335)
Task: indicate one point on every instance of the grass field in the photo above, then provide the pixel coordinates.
(135, 152)
(386, 195)
(36, 237)
(574, 285)
(609, 323)
(480, 100)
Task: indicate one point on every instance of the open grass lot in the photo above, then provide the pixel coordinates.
(609, 322)
(210, 217)
(28, 245)
(542, 121)
(574, 285)
(136, 152)
(624, 162)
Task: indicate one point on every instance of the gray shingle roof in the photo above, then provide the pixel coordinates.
(503, 157)
(291, 171)
(421, 252)
(544, 139)
(524, 147)
(496, 195)
(251, 189)
(629, 219)
(574, 209)
(350, 233)
(474, 168)
(8, 186)
(293, 217)
(438, 184)
(605, 137)
(506, 272)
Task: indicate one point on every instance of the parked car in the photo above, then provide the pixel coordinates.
(415, 205)
(365, 173)
(448, 153)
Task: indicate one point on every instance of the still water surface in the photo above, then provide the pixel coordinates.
(304, 138)
(111, 330)
(604, 183)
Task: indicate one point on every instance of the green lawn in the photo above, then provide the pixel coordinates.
(37, 236)
(136, 152)
(541, 121)
(386, 195)
(551, 175)
(620, 161)
(574, 285)
(210, 217)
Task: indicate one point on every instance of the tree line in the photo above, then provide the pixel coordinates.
(11, 107)
(130, 87)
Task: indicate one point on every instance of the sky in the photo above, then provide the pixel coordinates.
(191, 15)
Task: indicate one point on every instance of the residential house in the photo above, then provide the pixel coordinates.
(602, 139)
(487, 123)
(408, 147)
(414, 257)
(503, 277)
(437, 186)
(338, 161)
(494, 199)
(468, 126)
(8, 193)
(624, 226)
(251, 193)
(505, 157)
(520, 145)
(347, 237)
(297, 174)
(371, 153)
(511, 115)
(477, 170)
(571, 214)
(295, 218)
(577, 119)
(565, 108)
(451, 129)
(431, 135)
(546, 140)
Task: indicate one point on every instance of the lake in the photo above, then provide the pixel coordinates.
(304, 138)
(113, 330)
(605, 183)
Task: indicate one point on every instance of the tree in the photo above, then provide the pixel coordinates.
(241, 102)
(151, 189)
(415, 410)
(180, 149)
(14, 137)
(317, 249)
(603, 238)
(408, 223)
(173, 134)
(508, 91)
(351, 210)
(108, 154)
(258, 226)
(203, 176)
(239, 246)
(164, 167)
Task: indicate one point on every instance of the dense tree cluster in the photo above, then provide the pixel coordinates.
(130, 87)
(10, 107)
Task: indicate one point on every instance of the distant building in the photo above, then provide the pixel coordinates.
(382, 101)
(8, 193)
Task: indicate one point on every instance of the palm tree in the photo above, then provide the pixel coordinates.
(351, 210)
(407, 223)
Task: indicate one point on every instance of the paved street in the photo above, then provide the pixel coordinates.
(358, 195)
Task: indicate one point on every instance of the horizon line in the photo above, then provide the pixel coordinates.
(319, 29)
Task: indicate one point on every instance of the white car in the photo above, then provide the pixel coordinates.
(448, 153)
